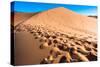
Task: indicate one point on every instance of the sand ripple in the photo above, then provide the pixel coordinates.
(64, 47)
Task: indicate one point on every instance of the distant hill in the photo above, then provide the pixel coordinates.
(19, 17)
(93, 16)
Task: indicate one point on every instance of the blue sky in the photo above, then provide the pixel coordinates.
(29, 7)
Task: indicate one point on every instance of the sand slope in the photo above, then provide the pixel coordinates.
(64, 20)
(20, 17)
(55, 36)
(27, 49)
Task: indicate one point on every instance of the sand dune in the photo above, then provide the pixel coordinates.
(27, 49)
(56, 36)
(64, 20)
(20, 17)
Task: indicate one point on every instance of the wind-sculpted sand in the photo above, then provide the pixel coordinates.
(52, 37)
(44, 46)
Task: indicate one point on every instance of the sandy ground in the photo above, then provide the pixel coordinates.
(20, 17)
(56, 36)
(27, 49)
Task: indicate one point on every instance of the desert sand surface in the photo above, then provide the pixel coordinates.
(19, 17)
(27, 49)
(57, 35)
(64, 20)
